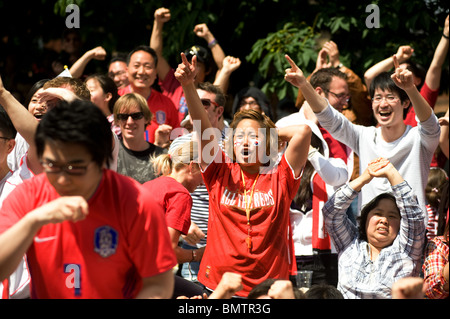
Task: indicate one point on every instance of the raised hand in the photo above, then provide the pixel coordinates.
(186, 72)
(293, 74)
(162, 15)
(404, 52)
(403, 78)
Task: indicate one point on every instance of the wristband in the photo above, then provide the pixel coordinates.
(445, 36)
(212, 43)
(194, 255)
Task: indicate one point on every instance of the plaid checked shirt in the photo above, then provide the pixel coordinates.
(360, 277)
(436, 257)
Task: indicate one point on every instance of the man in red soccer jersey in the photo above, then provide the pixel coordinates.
(88, 232)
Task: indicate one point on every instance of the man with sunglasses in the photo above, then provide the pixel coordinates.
(87, 231)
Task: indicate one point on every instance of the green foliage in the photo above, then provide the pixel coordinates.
(298, 40)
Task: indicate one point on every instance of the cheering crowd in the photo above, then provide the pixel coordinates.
(134, 183)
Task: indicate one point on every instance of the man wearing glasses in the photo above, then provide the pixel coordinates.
(87, 231)
(409, 149)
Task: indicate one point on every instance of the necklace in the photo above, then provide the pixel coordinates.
(248, 204)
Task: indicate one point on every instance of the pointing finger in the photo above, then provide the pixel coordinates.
(292, 63)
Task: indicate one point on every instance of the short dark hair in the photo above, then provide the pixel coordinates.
(211, 88)
(384, 82)
(6, 126)
(323, 77)
(323, 291)
(362, 219)
(144, 48)
(108, 86)
(36, 86)
(78, 122)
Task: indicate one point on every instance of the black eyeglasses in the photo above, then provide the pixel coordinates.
(135, 116)
(69, 169)
(340, 96)
(207, 103)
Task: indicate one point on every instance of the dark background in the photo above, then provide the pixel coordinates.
(30, 31)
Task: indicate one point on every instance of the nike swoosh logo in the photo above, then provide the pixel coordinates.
(43, 239)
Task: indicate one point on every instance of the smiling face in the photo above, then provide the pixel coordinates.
(388, 108)
(35, 108)
(141, 71)
(383, 224)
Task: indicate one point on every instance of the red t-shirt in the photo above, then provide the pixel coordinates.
(430, 96)
(162, 109)
(171, 88)
(123, 239)
(175, 200)
(272, 253)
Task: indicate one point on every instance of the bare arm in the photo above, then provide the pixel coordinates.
(157, 287)
(403, 53)
(185, 74)
(433, 77)
(202, 31)
(404, 79)
(299, 137)
(230, 64)
(16, 240)
(77, 69)
(162, 15)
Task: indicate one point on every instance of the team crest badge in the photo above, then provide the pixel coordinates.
(160, 117)
(105, 241)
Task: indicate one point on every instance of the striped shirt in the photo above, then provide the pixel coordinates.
(359, 276)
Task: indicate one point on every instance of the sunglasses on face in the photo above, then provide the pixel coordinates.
(135, 116)
(207, 103)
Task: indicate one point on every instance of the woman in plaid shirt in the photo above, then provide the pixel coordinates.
(389, 242)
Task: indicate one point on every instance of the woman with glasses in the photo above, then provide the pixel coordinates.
(409, 149)
(132, 115)
(249, 196)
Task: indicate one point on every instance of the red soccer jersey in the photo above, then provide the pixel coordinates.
(172, 88)
(162, 109)
(175, 200)
(123, 239)
(272, 252)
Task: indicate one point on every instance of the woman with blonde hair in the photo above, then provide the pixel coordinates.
(180, 176)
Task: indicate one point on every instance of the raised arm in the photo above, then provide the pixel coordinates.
(404, 79)
(433, 77)
(202, 31)
(403, 54)
(230, 64)
(77, 69)
(23, 121)
(296, 77)
(185, 74)
(162, 15)
(299, 138)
